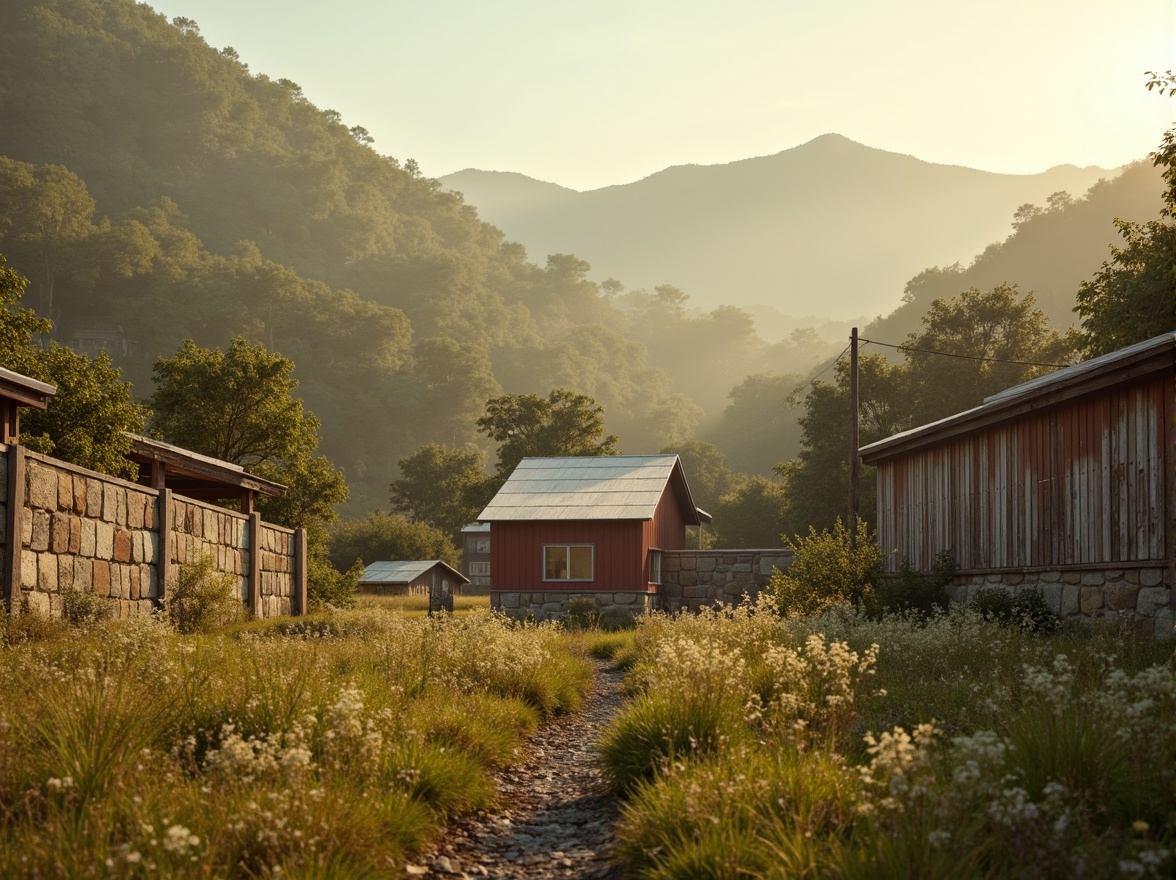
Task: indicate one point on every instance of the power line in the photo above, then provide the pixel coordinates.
(968, 357)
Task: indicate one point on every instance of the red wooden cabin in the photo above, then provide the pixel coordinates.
(588, 528)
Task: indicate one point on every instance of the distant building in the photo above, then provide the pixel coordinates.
(587, 528)
(411, 578)
(475, 557)
(91, 334)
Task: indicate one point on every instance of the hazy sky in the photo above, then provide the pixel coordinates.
(587, 94)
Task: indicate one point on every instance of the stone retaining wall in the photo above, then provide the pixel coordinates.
(1141, 594)
(692, 579)
(613, 607)
(64, 527)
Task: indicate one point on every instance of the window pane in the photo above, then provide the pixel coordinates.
(581, 563)
(555, 563)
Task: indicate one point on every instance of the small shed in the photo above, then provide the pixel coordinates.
(586, 528)
(1065, 485)
(416, 578)
(17, 390)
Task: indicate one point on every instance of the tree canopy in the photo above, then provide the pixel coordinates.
(528, 425)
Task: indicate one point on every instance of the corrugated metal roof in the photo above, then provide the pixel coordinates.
(1065, 382)
(602, 487)
(402, 571)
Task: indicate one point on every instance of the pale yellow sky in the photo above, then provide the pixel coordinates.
(587, 94)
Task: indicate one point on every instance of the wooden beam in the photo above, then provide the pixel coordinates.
(13, 519)
(247, 501)
(253, 585)
(298, 599)
(163, 565)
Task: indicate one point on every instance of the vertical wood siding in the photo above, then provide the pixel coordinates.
(516, 554)
(1082, 482)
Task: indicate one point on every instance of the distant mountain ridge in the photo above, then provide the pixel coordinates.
(830, 226)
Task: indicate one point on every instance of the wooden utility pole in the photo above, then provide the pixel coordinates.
(854, 460)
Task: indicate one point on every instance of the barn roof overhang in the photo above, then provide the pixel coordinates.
(1107, 371)
(194, 475)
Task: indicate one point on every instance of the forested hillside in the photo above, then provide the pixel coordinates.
(154, 185)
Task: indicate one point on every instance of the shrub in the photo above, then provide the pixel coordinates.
(202, 599)
(582, 614)
(910, 590)
(81, 608)
(826, 572)
(1026, 609)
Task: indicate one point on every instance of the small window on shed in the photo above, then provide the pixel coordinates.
(567, 562)
(655, 559)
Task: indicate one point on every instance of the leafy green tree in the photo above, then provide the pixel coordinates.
(751, 515)
(44, 211)
(527, 425)
(817, 480)
(759, 426)
(440, 486)
(1133, 295)
(706, 472)
(996, 338)
(85, 420)
(237, 406)
(383, 537)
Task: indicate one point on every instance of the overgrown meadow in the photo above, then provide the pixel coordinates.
(317, 747)
(758, 745)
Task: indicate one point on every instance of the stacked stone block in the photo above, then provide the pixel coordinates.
(693, 579)
(612, 607)
(82, 531)
(1142, 595)
(200, 529)
(277, 570)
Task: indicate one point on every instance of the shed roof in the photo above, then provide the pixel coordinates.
(199, 475)
(403, 572)
(25, 390)
(592, 487)
(1117, 367)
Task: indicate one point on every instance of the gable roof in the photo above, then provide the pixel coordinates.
(593, 488)
(1141, 359)
(402, 572)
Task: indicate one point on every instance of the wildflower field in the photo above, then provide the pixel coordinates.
(758, 745)
(308, 747)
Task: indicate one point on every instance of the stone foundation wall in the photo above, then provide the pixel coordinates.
(70, 528)
(1141, 594)
(613, 607)
(692, 579)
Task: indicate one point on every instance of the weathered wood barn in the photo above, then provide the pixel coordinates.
(1065, 484)
(411, 578)
(592, 528)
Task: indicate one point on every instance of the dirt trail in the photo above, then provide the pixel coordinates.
(555, 811)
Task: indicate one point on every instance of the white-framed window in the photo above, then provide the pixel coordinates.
(655, 566)
(568, 562)
(479, 569)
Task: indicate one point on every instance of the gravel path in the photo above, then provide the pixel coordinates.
(554, 811)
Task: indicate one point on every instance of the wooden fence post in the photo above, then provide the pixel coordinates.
(298, 597)
(253, 585)
(163, 524)
(13, 522)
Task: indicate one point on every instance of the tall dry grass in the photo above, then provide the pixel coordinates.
(836, 745)
(329, 746)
